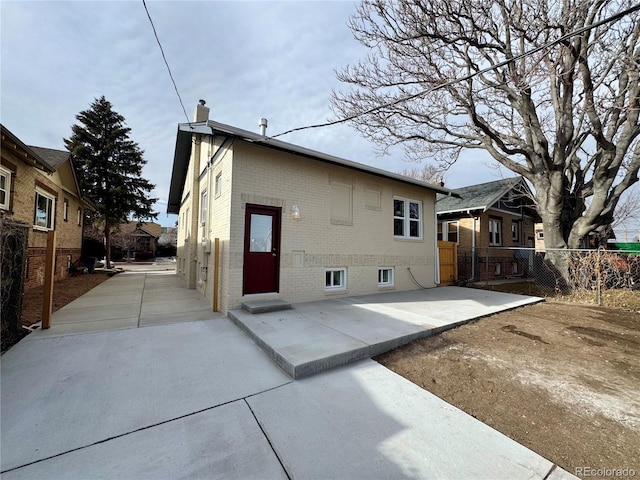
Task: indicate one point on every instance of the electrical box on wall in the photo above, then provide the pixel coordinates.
(206, 245)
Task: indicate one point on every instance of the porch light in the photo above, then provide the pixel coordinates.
(295, 212)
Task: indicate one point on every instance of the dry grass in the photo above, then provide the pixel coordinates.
(621, 298)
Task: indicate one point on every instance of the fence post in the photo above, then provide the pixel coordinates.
(216, 270)
(49, 274)
(599, 286)
(486, 269)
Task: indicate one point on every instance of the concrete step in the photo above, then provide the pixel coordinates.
(265, 306)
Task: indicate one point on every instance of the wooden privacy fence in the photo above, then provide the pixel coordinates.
(448, 256)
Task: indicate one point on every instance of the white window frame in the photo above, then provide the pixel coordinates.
(79, 217)
(390, 279)
(218, 185)
(5, 172)
(444, 230)
(515, 232)
(342, 285)
(52, 216)
(495, 232)
(204, 206)
(65, 210)
(406, 218)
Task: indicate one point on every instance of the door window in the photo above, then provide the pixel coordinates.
(261, 233)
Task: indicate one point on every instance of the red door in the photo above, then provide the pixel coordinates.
(261, 271)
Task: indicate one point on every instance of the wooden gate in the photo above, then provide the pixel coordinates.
(448, 256)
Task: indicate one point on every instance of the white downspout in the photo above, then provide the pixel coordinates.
(473, 250)
(435, 237)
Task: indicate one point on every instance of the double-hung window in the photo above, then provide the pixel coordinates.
(515, 231)
(218, 185)
(204, 204)
(5, 188)
(495, 232)
(45, 211)
(407, 218)
(448, 231)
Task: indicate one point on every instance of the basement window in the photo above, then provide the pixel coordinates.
(385, 277)
(335, 279)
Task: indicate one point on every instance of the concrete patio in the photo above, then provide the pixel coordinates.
(174, 391)
(317, 336)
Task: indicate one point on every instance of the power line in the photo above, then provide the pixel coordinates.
(564, 37)
(165, 60)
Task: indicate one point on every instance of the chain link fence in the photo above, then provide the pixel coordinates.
(598, 277)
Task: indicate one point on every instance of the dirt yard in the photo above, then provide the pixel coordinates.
(64, 291)
(563, 380)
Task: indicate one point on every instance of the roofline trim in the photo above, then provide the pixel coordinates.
(211, 127)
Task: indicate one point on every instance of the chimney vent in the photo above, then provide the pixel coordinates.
(201, 113)
(262, 123)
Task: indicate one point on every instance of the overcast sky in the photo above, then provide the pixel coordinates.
(246, 59)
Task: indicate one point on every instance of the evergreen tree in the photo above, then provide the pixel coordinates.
(109, 167)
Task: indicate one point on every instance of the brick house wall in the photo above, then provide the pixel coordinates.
(25, 178)
(250, 174)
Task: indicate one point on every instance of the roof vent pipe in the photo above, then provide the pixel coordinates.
(262, 123)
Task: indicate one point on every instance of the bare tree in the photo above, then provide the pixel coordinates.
(627, 213)
(560, 110)
(426, 173)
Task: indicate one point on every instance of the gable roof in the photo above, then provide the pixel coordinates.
(54, 158)
(151, 229)
(183, 152)
(478, 197)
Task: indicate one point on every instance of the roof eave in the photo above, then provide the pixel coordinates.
(38, 161)
(314, 154)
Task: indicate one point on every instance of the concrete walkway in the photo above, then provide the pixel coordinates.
(199, 399)
(130, 300)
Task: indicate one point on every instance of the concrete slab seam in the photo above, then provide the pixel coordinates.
(268, 439)
(551, 470)
(104, 440)
(29, 338)
(144, 284)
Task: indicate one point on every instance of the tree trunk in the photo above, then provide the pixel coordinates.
(553, 213)
(107, 239)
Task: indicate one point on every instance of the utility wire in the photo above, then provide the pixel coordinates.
(564, 37)
(165, 60)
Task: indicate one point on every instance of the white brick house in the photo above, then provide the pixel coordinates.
(293, 223)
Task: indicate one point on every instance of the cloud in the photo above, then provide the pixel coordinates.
(247, 59)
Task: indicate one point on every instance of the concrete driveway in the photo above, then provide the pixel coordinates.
(199, 399)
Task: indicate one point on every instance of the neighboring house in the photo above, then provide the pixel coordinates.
(600, 237)
(293, 223)
(38, 186)
(486, 220)
(168, 237)
(137, 239)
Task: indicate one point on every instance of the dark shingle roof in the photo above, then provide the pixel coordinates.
(475, 197)
(53, 158)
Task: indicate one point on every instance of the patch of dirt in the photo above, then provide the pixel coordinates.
(64, 292)
(561, 379)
